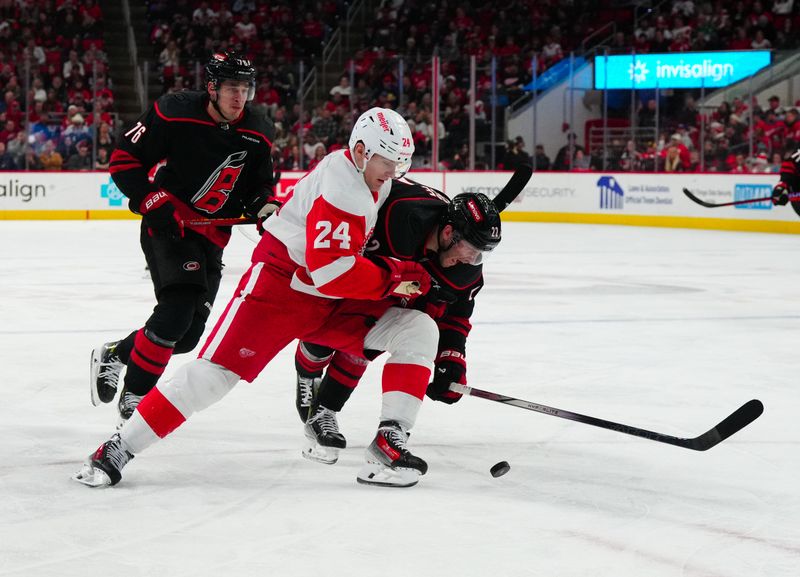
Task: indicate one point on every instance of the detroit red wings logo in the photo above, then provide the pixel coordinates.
(213, 195)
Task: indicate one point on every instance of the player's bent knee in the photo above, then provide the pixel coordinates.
(198, 385)
(414, 338)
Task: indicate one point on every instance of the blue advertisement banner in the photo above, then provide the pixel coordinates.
(677, 70)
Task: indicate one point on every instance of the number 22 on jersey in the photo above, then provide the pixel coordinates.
(340, 234)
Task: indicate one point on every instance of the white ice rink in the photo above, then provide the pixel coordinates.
(669, 330)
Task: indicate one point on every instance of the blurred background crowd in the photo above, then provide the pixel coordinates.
(62, 88)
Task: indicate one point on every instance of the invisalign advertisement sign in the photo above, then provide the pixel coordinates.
(677, 70)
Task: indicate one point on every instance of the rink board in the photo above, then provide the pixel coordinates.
(638, 199)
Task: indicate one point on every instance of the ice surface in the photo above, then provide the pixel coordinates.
(669, 330)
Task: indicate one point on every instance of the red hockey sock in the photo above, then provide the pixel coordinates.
(407, 378)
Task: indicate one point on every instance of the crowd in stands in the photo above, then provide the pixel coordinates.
(393, 68)
(54, 47)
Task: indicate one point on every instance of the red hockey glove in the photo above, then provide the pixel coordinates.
(450, 367)
(780, 194)
(406, 278)
(159, 215)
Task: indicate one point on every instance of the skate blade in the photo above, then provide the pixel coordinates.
(313, 451)
(94, 371)
(383, 476)
(92, 477)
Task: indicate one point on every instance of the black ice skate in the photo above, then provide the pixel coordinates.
(323, 436)
(126, 406)
(307, 388)
(104, 370)
(389, 462)
(103, 468)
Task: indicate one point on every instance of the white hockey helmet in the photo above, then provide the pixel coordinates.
(383, 131)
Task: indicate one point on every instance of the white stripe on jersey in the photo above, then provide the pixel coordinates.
(337, 268)
(230, 314)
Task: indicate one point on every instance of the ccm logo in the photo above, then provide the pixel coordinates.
(191, 266)
(476, 212)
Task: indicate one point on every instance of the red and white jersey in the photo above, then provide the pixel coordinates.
(325, 225)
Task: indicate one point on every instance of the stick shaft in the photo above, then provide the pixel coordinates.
(737, 420)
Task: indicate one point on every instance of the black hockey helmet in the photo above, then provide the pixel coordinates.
(475, 219)
(231, 66)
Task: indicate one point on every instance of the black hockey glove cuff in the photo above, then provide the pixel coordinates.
(450, 367)
(780, 194)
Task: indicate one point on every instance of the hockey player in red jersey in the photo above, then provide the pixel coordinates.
(217, 163)
(310, 280)
(450, 239)
(789, 183)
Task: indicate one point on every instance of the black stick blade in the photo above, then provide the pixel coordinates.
(733, 423)
(699, 201)
(513, 187)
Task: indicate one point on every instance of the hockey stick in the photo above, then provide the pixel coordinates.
(217, 221)
(734, 422)
(513, 187)
(792, 197)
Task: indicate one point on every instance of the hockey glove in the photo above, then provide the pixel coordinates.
(780, 194)
(265, 212)
(159, 215)
(450, 367)
(406, 278)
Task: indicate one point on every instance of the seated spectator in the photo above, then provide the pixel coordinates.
(7, 161)
(16, 148)
(761, 164)
(563, 160)
(50, 158)
(582, 161)
(343, 88)
(102, 160)
(540, 160)
(672, 159)
(31, 160)
(80, 159)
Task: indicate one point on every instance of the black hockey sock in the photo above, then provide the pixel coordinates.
(341, 379)
(125, 347)
(310, 360)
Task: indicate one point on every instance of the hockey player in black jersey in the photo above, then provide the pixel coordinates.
(789, 182)
(216, 163)
(450, 239)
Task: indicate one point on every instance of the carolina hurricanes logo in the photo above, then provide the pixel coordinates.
(191, 266)
(213, 195)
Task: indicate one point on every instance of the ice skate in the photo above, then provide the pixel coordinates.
(104, 370)
(103, 468)
(126, 406)
(389, 462)
(307, 388)
(324, 441)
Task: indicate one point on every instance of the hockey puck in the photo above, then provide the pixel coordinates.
(500, 469)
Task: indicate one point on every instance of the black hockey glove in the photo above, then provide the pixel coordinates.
(780, 194)
(450, 367)
(160, 217)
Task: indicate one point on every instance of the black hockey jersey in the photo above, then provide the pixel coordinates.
(212, 170)
(790, 175)
(405, 221)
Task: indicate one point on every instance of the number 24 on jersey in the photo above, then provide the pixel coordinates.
(340, 234)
